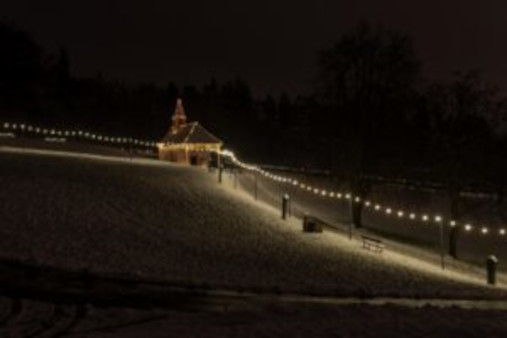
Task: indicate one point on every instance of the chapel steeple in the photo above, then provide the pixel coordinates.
(179, 118)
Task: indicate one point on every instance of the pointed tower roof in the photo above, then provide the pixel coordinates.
(179, 118)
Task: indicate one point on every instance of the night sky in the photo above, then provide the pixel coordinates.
(273, 45)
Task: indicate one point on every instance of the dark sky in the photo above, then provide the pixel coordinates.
(273, 44)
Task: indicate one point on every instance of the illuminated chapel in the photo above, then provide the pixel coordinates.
(188, 143)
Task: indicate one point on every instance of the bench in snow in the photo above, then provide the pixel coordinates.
(373, 244)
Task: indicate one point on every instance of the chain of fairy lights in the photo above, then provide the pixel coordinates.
(56, 134)
(389, 211)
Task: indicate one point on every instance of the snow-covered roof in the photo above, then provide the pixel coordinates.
(190, 133)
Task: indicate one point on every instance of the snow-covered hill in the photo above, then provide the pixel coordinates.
(147, 219)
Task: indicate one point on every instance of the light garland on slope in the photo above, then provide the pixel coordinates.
(54, 134)
(386, 210)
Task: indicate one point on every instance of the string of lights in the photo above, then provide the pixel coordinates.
(371, 205)
(52, 134)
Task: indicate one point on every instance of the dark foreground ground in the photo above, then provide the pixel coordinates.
(261, 318)
(38, 302)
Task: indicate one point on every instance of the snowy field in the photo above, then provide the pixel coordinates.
(147, 219)
(151, 221)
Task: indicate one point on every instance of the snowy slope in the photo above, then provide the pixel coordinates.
(472, 247)
(148, 219)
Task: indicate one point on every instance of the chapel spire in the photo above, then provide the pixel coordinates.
(179, 118)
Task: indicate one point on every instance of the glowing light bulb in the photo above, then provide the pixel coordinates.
(438, 219)
(502, 232)
(323, 193)
(347, 196)
(388, 211)
(412, 216)
(425, 218)
(331, 194)
(468, 227)
(357, 199)
(452, 223)
(400, 213)
(484, 230)
(338, 195)
(377, 206)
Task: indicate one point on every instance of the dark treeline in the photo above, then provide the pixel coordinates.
(372, 113)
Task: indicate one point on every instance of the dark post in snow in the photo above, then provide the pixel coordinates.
(454, 195)
(129, 148)
(220, 169)
(285, 205)
(351, 223)
(491, 264)
(442, 243)
(255, 186)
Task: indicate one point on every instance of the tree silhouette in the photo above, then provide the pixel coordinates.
(461, 138)
(368, 77)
